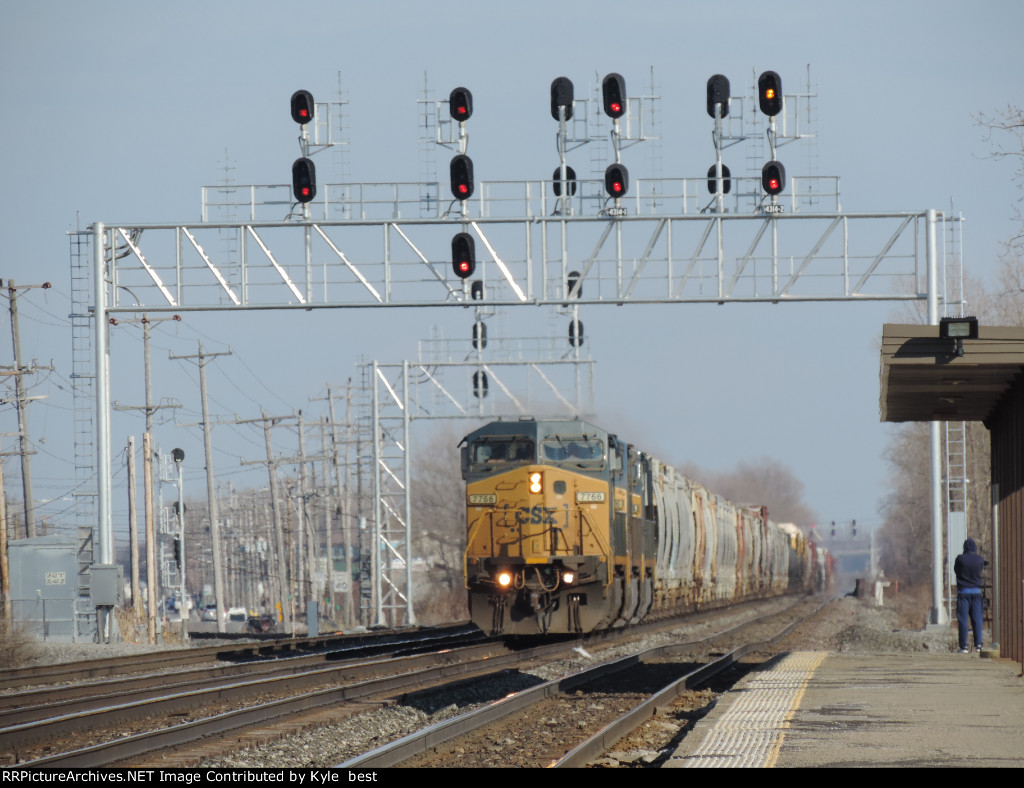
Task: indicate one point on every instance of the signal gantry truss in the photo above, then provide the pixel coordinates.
(655, 247)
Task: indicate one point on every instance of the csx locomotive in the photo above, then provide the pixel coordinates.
(571, 529)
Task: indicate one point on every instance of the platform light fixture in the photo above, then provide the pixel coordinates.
(958, 329)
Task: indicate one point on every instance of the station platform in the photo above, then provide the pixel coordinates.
(821, 709)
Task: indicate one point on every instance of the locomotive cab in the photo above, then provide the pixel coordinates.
(537, 513)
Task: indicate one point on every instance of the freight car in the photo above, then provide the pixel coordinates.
(571, 529)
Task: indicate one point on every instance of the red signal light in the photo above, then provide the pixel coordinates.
(616, 180)
(461, 170)
(303, 180)
(773, 177)
(463, 255)
(302, 106)
(613, 92)
(460, 104)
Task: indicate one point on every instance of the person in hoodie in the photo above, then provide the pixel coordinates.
(967, 568)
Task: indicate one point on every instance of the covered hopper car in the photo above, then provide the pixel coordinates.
(571, 529)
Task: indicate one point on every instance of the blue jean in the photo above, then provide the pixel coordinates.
(968, 609)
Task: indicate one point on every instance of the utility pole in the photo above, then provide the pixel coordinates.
(272, 463)
(211, 492)
(344, 508)
(147, 447)
(183, 612)
(133, 527)
(151, 597)
(5, 566)
(149, 408)
(305, 523)
(328, 589)
(21, 401)
(284, 585)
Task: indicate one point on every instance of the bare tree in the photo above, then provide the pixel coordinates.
(1004, 131)
(439, 508)
(904, 538)
(762, 482)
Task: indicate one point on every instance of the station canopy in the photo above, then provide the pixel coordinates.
(924, 379)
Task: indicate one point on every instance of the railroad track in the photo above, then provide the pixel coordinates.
(212, 710)
(569, 721)
(79, 716)
(264, 649)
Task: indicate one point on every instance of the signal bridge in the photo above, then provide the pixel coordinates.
(650, 255)
(350, 246)
(644, 256)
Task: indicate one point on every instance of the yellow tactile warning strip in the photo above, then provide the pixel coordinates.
(749, 734)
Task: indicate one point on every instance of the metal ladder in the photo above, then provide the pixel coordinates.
(955, 431)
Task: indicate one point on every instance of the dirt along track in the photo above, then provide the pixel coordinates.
(350, 738)
(336, 734)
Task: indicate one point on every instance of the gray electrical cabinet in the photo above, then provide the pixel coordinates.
(45, 585)
(107, 584)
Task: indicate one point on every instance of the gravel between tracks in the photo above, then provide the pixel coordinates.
(846, 625)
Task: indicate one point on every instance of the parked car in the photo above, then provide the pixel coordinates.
(260, 624)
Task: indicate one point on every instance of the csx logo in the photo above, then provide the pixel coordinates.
(535, 515)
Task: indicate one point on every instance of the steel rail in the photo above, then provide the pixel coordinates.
(409, 746)
(243, 651)
(140, 744)
(37, 705)
(611, 734)
(20, 735)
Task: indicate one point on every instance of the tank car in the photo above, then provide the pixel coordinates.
(570, 529)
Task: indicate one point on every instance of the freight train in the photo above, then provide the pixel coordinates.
(571, 529)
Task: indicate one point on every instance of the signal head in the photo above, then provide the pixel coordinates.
(463, 255)
(769, 93)
(718, 93)
(570, 181)
(713, 183)
(461, 170)
(613, 90)
(561, 96)
(303, 108)
(460, 104)
(575, 333)
(616, 180)
(304, 180)
(773, 177)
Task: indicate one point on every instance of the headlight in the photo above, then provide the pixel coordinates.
(568, 578)
(504, 579)
(536, 482)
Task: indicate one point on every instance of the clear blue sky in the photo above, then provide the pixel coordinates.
(120, 111)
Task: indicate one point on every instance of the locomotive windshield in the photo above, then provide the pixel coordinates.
(495, 453)
(574, 451)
